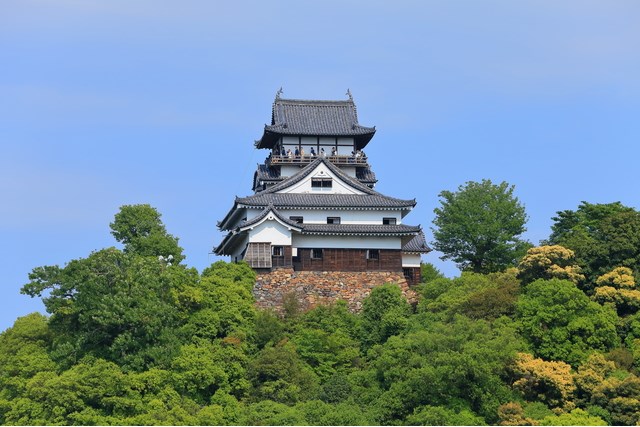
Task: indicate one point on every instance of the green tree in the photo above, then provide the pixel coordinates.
(549, 262)
(459, 365)
(442, 416)
(577, 417)
(478, 226)
(140, 230)
(477, 296)
(278, 374)
(429, 272)
(113, 305)
(23, 355)
(562, 323)
(384, 313)
(124, 306)
(603, 237)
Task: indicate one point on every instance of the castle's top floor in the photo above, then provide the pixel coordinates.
(321, 123)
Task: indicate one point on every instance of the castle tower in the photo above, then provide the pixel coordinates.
(314, 218)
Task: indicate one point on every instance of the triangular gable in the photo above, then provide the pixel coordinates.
(321, 168)
(269, 214)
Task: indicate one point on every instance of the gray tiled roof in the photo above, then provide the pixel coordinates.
(366, 175)
(315, 118)
(306, 117)
(305, 200)
(265, 175)
(268, 173)
(418, 245)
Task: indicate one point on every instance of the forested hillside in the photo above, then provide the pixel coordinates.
(546, 335)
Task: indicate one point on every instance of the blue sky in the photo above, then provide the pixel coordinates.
(112, 102)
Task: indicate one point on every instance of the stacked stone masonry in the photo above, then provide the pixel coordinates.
(313, 288)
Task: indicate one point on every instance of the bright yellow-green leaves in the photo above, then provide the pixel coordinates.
(549, 262)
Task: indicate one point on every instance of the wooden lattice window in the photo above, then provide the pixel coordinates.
(258, 255)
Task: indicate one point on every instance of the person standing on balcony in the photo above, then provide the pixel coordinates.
(312, 152)
(302, 152)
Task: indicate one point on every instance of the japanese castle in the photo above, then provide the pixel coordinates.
(313, 207)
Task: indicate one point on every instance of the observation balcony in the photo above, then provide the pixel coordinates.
(340, 160)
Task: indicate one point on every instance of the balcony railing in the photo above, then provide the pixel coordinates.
(277, 160)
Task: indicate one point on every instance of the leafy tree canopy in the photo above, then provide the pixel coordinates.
(549, 262)
(140, 230)
(563, 324)
(603, 237)
(478, 226)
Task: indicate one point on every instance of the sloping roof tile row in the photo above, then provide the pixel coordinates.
(342, 201)
(315, 118)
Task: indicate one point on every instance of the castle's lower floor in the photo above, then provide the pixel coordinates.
(312, 288)
(271, 258)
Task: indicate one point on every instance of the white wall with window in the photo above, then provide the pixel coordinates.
(350, 242)
(319, 216)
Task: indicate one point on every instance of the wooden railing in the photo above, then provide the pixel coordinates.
(303, 160)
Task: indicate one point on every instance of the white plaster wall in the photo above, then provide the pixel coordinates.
(327, 142)
(288, 171)
(319, 216)
(308, 142)
(349, 170)
(411, 260)
(252, 213)
(300, 241)
(270, 231)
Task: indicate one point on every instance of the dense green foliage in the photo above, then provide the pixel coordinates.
(136, 338)
(478, 227)
(603, 237)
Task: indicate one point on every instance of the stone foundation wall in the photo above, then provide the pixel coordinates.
(313, 288)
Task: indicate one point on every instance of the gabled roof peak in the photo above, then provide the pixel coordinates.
(308, 169)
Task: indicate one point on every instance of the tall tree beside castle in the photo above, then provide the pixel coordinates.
(314, 210)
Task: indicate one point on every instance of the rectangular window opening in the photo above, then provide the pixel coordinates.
(333, 220)
(389, 221)
(317, 253)
(373, 254)
(297, 219)
(321, 183)
(277, 251)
